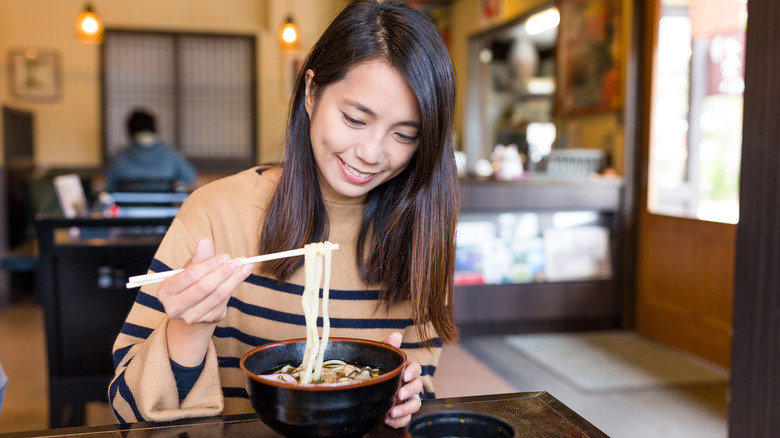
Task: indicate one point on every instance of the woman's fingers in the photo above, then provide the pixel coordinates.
(408, 399)
(191, 274)
(204, 250)
(412, 371)
(222, 282)
(181, 292)
(394, 339)
(401, 414)
(200, 293)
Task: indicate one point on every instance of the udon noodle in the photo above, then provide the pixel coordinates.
(317, 266)
(313, 367)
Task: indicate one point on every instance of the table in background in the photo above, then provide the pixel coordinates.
(83, 265)
(532, 414)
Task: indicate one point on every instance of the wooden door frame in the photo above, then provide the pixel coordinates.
(683, 295)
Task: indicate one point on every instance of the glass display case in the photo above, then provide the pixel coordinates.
(538, 255)
(521, 246)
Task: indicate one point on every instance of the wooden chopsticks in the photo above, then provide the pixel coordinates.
(143, 280)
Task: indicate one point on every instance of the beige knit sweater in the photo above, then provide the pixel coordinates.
(230, 211)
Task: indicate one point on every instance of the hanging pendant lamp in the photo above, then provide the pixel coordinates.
(289, 36)
(89, 26)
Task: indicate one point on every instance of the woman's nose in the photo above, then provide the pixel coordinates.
(371, 149)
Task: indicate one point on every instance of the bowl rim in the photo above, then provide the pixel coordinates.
(326, 386)
(430, 418)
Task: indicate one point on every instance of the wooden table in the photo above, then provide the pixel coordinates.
(533, 414)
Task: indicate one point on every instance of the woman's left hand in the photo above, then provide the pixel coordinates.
(407, 399)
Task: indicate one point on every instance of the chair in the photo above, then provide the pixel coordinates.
(81, 275)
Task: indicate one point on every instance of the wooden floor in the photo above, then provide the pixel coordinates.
(674, 412)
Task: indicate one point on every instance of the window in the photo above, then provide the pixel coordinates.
(696, 137)
(201, 88)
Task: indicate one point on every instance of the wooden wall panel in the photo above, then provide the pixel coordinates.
(755, 371)
(685, 285)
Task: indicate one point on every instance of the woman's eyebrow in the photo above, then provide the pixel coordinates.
(360, 107)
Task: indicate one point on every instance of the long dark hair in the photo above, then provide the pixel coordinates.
(406, 242)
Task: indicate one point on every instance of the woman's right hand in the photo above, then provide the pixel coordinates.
(196, 299)
(200, 293)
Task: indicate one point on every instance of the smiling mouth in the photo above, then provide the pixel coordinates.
(356, 172)
(355, 175)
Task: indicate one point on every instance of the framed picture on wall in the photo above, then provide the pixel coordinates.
(35, 74)
(589, 56)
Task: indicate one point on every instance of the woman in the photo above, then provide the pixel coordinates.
(369, 165)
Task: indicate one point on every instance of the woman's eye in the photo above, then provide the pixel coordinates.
(353, 121)
(405, 138)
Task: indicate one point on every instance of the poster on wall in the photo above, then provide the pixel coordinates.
(34, 74)
(589, 56)
(441, 14)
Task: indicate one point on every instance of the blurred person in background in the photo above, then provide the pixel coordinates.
(147, 162)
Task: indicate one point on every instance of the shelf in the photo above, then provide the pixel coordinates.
(541, 193)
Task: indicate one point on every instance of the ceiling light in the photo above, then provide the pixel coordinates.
(542, 21)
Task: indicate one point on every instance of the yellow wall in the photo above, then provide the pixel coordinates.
(67, 132)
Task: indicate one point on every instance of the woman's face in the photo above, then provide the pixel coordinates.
(364, 129)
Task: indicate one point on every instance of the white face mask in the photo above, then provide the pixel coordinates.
(145, 138)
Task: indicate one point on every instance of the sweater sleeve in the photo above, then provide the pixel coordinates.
(144, 386)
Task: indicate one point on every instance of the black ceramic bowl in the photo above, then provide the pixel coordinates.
(459, 424)
(343, 410)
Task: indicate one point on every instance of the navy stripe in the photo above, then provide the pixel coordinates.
(121, 386)
(290, 318)
(428, 370)
(228, 362)
(427, 395)
(149, 301)
(134, 330)
(111, 395)
(120, 354)
(436, 342)
(112, 388)
(335, 294)
(229, 391)
(158, 266)
(266, 313)
(231, 332)
(118, 417)
(272, 284)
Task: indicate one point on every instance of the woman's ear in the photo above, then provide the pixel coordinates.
(311, 90)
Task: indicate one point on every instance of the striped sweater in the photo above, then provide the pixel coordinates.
(230, 211)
